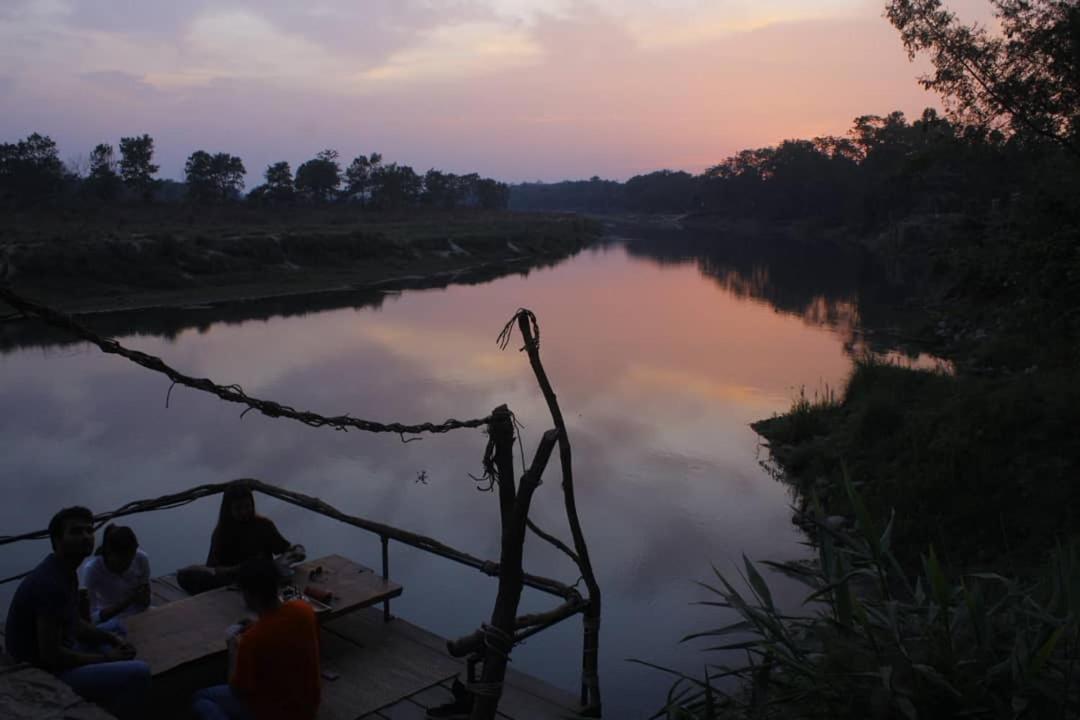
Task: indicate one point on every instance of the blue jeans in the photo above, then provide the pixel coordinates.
(120, 687)
(220, 702)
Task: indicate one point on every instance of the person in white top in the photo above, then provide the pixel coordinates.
(117, 578)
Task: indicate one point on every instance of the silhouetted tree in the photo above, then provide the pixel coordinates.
(30, 171)
(491, 194)
(136, 165)
(358, 176)
(278, 188)
(319, 178)
(1026, 79)
(213, 178)
(395, 186)
(442, 190)
(102, 180)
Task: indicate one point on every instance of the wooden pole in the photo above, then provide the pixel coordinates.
(498, 635)
(590, 678)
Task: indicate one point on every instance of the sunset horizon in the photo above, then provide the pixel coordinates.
(522, 91)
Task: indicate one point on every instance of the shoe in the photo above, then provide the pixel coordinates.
(458, 709)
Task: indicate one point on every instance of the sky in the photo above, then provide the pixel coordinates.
(519, 90)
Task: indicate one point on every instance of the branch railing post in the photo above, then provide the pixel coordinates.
(385, 573)
(590, 678)
(499, 633)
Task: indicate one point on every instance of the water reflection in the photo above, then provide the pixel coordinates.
(659, 368)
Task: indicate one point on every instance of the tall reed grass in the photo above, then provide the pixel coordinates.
(878, 642)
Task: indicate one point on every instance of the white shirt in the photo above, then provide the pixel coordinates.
(107, 589)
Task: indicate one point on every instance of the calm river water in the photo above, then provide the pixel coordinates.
(662, 348)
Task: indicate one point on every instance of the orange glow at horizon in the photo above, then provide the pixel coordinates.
(518, 89)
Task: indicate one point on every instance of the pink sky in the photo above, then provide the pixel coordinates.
(514, 89)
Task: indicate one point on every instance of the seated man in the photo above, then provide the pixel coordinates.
(44, 627)
(273, 662)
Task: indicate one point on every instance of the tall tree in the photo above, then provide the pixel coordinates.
(102, 180)
(279, 183)
(441, 190)
(359, 174)
(319, 178)
(395, 186)
(198, 177)
(1026, 78)
(213, 178)
(136, 165)
(30, 170)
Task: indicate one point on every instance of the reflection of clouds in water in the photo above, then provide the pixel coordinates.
(657, 401)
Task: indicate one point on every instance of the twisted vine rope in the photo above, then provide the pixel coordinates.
(228, 393)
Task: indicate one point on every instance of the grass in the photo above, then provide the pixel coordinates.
(984, 467)
(175, 247)
(886, 643)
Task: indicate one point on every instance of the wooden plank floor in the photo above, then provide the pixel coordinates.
(425, 657)
(387, 671)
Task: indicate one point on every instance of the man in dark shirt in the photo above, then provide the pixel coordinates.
(44, 627)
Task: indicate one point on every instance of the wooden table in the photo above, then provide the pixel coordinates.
(193, 628)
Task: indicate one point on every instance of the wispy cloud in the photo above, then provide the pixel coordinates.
(519, 89)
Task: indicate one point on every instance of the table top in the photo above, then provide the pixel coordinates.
(194, 627)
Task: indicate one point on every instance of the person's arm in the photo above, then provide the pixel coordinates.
(275, 542)
(212, 558)
(242, 672)
(90, 634)
(55, 656)
(108, 613)
(142, 579)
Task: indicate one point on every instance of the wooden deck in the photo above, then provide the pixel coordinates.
(27, 693)
(386, 671)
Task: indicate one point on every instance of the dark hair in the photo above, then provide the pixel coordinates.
(59, 521)
(258, 577)
(118, 539)
(237, 491)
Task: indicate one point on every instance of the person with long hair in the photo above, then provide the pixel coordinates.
(240, 535)
(117, 577)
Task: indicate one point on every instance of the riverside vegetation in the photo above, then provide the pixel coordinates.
(941, 502)
(105, 232)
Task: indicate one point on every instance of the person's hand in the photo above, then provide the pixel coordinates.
(123, 651)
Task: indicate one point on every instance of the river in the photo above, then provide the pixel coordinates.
(663, 347)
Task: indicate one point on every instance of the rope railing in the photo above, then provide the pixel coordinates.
(514, 501)
(318, 506)
(228, 393)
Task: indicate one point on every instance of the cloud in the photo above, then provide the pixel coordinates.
(523, 90)
(464, 50)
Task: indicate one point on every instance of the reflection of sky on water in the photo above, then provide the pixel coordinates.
(658, 368)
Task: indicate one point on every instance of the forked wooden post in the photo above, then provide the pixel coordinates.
(514, 501)
(499, 634)
(590, 661)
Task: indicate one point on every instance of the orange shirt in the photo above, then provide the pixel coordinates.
(277, 664)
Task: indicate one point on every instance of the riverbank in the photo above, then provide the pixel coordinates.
(126, 259)
(979, 461)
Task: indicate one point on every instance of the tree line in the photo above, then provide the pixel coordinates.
(1012, 128)
(32, 175)
(884, 169)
